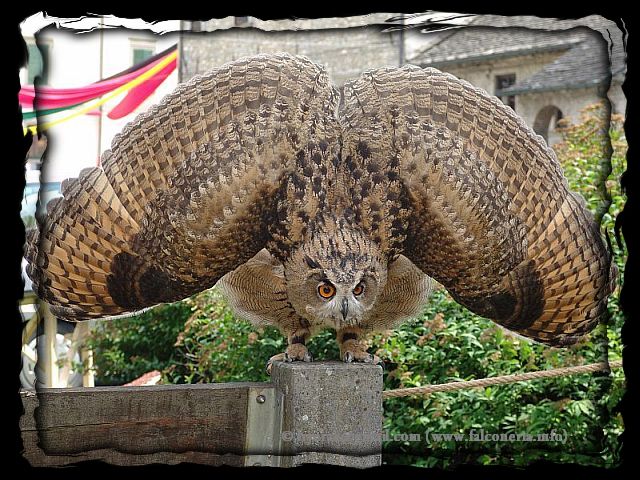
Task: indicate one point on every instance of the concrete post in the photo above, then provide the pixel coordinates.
(331, 413)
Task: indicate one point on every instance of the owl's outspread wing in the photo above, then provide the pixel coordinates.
(253, 153)
(487, 209)
(187, 192)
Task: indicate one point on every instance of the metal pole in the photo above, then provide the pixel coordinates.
(180, 50)
(401, 53)
(100, 78)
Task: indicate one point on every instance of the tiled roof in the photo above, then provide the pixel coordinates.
(584, 65)
(584, 61)
(483, 43)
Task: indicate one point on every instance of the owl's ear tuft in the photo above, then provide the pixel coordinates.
(310, 262)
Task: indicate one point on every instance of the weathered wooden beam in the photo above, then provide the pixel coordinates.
(137, 425)
(324, 412)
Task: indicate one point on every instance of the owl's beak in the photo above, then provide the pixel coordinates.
(344, 308)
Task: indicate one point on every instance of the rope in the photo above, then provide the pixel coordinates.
(501, 380)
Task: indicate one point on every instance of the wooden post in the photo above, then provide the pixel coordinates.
(32, 324)
(50, 361)
(169, 424)
(65, 372)
(86, 355)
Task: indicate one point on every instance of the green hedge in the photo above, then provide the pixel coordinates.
(446, 343)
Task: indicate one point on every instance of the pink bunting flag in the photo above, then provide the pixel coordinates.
(139, 94)
(51, 97)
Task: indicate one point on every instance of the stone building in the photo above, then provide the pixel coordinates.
(347, 46)
(546, 69)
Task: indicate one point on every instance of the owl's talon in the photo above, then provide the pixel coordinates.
(280, 357)
(353, 351)
(294, 353)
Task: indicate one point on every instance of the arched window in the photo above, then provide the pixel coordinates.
(546, 123)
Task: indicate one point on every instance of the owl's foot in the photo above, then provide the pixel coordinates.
(294, 352)
(355, 351)
(353, 348)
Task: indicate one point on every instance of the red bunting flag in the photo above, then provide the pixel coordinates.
(58, 99)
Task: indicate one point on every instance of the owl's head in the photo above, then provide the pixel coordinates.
(335, 281)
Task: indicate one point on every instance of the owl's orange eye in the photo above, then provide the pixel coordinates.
(359, 289)
(326, 290)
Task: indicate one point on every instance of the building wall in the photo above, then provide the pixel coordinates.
(570, 102)
(347, 46)
(72, 62)
(529, 105)
(118, 57)
(417, 40)
(345, 52)
(483, 74)
(617, 98)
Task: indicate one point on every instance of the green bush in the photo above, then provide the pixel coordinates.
(447, 343)
(126, 348)
(217, 347)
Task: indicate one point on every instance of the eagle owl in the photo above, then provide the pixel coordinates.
(316, 208)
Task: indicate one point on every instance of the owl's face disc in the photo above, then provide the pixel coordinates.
(338, 285)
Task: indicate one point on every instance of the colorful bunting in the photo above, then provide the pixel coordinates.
(139, 81)
(162, 68)
(140, 93)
